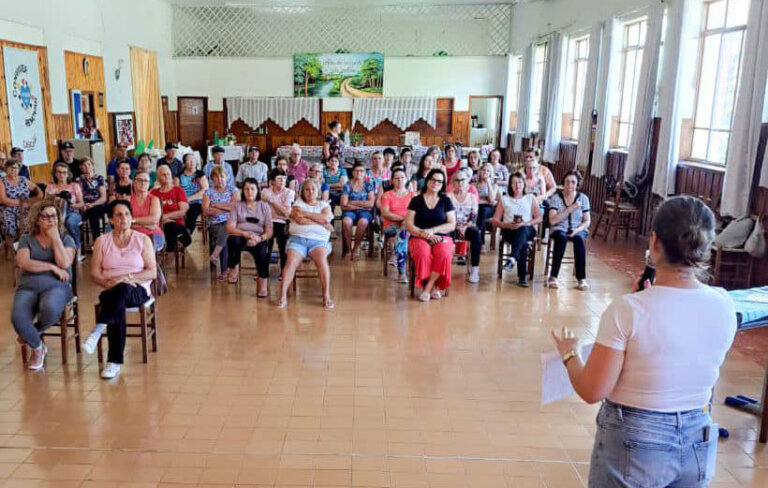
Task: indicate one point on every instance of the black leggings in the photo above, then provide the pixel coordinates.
(484, 212)
(190, 220)
(281, 236)
(518, 240)
(473, 236)
(560, 240)
(112, 305)
(260, 253)
(94, 216)
(175, 233)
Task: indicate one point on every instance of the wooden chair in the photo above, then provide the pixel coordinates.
(370, 237)
(70, 319)
(306, 270)
(732, 267)
(491, 230)
(619, 214)
(531, 257)
(386, 252)
(146, 314)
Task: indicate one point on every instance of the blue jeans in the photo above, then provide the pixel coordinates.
(355, 215)
(637, 448)
(72, 223)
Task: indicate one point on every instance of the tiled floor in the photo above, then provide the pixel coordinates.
(380, 392)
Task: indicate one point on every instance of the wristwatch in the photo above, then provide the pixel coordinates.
(569, 355)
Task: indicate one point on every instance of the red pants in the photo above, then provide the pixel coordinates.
(432, 258)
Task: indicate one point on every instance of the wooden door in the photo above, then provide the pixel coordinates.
(192, 113)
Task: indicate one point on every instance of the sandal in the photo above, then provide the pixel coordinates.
(328, 304)
(233, 276)
(424, 297)
(436, 295)
(282, 303)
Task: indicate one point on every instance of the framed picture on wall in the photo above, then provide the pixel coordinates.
(124, 130)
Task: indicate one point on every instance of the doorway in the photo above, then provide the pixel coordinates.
(192, 114)
(485, 119)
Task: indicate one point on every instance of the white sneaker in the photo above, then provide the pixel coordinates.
(37, 358)
(90, 343)
(403, 278)
(436, 294)
(583, 285)
(110, 371)
(474, 274)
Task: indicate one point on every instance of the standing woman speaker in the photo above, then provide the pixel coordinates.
(656, 360)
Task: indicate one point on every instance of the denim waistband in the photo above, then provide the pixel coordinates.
(675, 418)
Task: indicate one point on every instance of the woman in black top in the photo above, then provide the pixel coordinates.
(122, 186)
(430, 220)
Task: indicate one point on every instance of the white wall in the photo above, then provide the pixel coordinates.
(456, 77)
(99, 27)
(530, 20)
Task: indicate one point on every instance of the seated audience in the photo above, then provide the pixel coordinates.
(389, 158)
(94, 191)
(249, 228)
(173, 201)
(474, 162)
(15, 193)
(500, 171)
(394, 207)
(45, 256)
(252, 168)
(217, 204)
(123, 184)
(534, 181)
(378, 173)
(451, 162)
(280, 200)
(310, 237)
(218, 161)
(465, 205)
(517, 215)
(335, 177)
(72, 193)
(124, 265)
(145, 164)
(656, 360)
(406, 158)
(146, 210)
(297, 167)
(333, 145)
(17, 153)
(487, 194)
(357, 202)
(533, 158)
(121, 154)
(436, 155)
(194, 183)
(316, 173)
(281, 163)
(426, 164)
(170, 160)
(430, 220)
(569, 220)
(67, 156)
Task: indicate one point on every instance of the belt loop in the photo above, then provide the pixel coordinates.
(679, 419)
(620, 413)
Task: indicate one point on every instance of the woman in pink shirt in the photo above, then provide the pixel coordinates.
(62, 184)
(124, 265)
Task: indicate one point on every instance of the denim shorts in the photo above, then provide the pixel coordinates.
(304, 246)
(639, 448)
(356, 215)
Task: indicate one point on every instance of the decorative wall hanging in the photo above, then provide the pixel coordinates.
(354, 75)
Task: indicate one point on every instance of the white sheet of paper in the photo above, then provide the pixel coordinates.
(555, 384)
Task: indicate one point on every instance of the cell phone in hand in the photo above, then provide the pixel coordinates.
(518, 219)
(252, 220)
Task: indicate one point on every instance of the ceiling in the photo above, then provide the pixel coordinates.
(335, 3)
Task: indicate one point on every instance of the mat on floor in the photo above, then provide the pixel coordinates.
(751, 306)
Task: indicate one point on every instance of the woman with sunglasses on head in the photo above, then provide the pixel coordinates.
(250, 228)
(466, 207)
(430, 220)
(45, 258)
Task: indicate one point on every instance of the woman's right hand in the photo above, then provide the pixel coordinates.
(61, 274)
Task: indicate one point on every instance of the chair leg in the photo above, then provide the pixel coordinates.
(597, 225)
(493, 239)
(500, 260)
(548, 256)
(64, 330)
(531, 260)
(100, 352)
(411, 277)
(76, 326)
(143, 318)
(153, 326)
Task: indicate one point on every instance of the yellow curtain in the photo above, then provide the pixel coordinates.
(147, 105)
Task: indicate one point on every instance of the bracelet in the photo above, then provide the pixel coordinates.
(569, 355)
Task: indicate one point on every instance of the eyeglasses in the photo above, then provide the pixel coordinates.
(142, 180)
(52, 216)
(436, 180)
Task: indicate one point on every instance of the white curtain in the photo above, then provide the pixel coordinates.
(590, 91)
(508, 93)
(401, 111)
(747, 115)
(285, 112)
(646, 93)
(523, 128)
(677, 83)
(605, 93)
(555, 81)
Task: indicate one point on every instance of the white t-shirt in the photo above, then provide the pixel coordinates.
(310, 231)
(675, 340)
(517, 206)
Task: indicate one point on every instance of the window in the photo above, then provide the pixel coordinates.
(514, 91)
(720, 50)
(633, 42)
(575, 78)
(539, 71)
